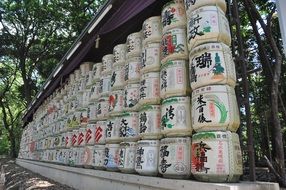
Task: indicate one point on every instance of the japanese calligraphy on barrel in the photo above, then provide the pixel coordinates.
(117, 77)
(191, 5)
(152, 30)
(173, 15)
(111, 157)
(100, 132)
(215, 108)
(119, 52)
(132, 70)
(112, 129)
(131, 97)
(174, 79)
(150, 122)
(216, 156)
(175, 157)
(97, 69)
(134, 44)
(176, 116)
(107, 63)
(150, 59)
(126, 162)
(116, 102)
(211, 63)
(129, 126)
(146, 160)
(98, 157)
(207, 24)
(102, 108)
(174, 45)
(149, 92)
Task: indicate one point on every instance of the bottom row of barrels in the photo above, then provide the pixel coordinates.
(213, 156)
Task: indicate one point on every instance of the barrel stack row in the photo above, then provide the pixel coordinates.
(135, 111)
(216, 153)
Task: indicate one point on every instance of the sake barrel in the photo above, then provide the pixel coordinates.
(85, 67)
(100, 130)
(215, 108)
(80, 157)
(105, 85)
(102, 108)
(207, 24)
(173, 15)
(62, 141)
(117, 77)
(191, 5)
(129, 126)
(174, 45)
(74, 137)
(98, 157)
(134, 44)
(112, 130)
(90, 134)
(150, 59)
(107, 63)
(84, 117)
(132, 70)
(126, 163)
(88, 156)
(111, 157)
(131, 97)
(176, 116)
(216, 156)
(147, 155)
(211, 63)
(97, 69)
(149, 88)
(152, 30)
(85, 98)
(89, 80)
(77, 75)
(81, 137)
(174, 79)
(119, 53)
(71, 157)
(175, 157)
(149, 122)
(94, 92)
(92, 112)
(116, 102)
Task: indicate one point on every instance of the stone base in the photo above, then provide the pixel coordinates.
(90, 179)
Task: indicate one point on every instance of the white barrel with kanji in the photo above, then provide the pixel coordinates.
(105, 84)
(147, 156)
(173, 15)
(175, 157)
(98, 157)
(129, 126)
(126, 163)
(111, 157)
(90, 134)
(97, 69)
(176, 116)
(84, 117)
(174, 79)
(92, 112)
(79, 161)
(102, 108)
(117, 77)
(88, 156)
(150, 88)
(174, 45)
(131, 97)
(216, 156)
(112, 129)
(207, 24)
(119, 52)
(132, 70)
(107, 63)
(100, 132)
(150, 122)
(94, 92)
(215, 108)
(150, 59)
(152, 30)
(85, 67)
(90, 79)
(191, 5)
(211, 63)
(116, 102)
(134, 44)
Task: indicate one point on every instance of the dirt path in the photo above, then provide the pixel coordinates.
(18, 178)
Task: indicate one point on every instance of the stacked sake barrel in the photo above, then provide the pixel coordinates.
(216, 154)
(174, 153)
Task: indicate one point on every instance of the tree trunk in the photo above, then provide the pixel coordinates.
(13, 148)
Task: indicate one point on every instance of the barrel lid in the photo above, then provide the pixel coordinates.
(173, 62)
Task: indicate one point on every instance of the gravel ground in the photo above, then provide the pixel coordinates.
(18, 178)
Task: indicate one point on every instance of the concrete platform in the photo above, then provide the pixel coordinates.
(90, 179)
